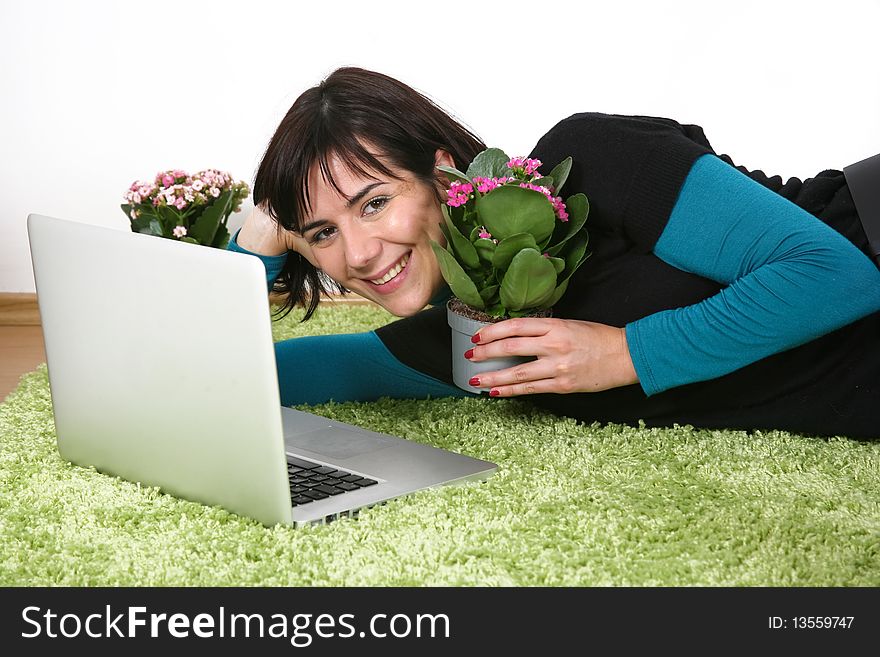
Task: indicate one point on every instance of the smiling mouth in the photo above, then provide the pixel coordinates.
(392, 273)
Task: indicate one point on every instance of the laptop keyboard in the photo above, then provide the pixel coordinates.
(312, 481)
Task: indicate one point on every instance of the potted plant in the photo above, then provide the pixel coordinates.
(511, 247)
(189, 208)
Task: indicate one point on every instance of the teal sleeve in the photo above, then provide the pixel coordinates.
(273, 264)
(349, 367)
(790, 279)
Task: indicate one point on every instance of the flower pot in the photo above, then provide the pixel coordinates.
(463, 369)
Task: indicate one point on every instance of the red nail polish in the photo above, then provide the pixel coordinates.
(494, 392)
(475, 338)
(475, 381)
(469, 354)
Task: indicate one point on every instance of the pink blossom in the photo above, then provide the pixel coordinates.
(486, 185)
(458, 193)
(555, 201)
(180, 204)
(484, 234)
(179, 232)
(524, 165)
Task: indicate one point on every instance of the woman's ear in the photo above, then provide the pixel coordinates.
(443, 158)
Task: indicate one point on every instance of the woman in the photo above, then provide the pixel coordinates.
(714, 296)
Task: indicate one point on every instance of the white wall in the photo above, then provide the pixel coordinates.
(97, 94)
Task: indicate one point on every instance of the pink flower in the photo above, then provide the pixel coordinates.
(179, 232)
(486, 185)
(458, 193)
(524, 165)
(484, 234)
(167, 180)
(555, 201)
(180, 204)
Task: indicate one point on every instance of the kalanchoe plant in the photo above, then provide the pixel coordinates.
(190, 208)
(511, 243)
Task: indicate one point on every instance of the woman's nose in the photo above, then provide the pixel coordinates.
(361, 248)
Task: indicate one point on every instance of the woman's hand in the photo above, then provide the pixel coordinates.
(573, 356)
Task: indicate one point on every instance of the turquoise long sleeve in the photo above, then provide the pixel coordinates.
(349, 367)
(345, 367)
(790, 279)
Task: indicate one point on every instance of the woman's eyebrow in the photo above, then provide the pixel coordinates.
(354, 199)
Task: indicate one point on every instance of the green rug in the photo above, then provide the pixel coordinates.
(570, 505)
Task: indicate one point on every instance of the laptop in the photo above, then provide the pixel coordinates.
(162, 371)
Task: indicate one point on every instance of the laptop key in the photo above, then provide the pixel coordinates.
(298, 480)
(346, 485)
(332, 481)
(363, 483)
(330, 490)
(316, 494)
(318, 477)
(301, 499)
(351, 477)
(305, 465)
(298, 489)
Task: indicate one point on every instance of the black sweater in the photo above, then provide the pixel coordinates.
(632, 169)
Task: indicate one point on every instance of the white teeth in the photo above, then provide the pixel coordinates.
(394, 271)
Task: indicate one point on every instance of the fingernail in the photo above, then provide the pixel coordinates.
(494, 392)
(475, 338)
(469, 354)
(475, 381)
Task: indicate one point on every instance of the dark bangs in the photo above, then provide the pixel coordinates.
(351, 110)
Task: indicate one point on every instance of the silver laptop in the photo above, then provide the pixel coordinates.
(162, 371)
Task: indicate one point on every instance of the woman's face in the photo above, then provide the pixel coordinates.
(378, 244)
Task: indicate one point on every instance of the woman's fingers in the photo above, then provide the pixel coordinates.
(520, 326)
(505, 347)
(525, 374)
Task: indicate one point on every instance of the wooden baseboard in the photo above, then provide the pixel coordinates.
(19, 309)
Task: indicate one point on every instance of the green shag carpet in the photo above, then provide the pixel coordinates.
(570, 505)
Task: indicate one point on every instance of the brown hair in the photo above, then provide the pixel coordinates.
(349, 109)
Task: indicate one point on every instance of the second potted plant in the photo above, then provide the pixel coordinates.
(512, 245)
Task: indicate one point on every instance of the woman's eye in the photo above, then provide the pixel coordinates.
(322, 235)
(373, 206)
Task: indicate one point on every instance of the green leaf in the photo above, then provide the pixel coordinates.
(488, 293)
(575, 254)
(507, 248)
(529, 281)
(148, 224)
(556, 296)
(506, 211)
(221, 237)
(169, 218)
(206, 225)
(546, 181)
(452, 172)
(578, 208)
(560, 174)
(190, 240)
(490, 163)
(464, 251)
(558, 264)
(459, 282)
(485, 249)
(498, 310)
